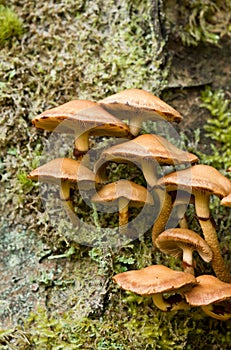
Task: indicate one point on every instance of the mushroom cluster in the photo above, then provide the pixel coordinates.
(121, 115)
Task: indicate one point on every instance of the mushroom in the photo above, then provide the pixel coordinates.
(124, 193)
(81, 118)
(213, 295)
(147, 151)
(156, 280)
(136, 106)
(183, 242)
(66, 173)
(202, 181)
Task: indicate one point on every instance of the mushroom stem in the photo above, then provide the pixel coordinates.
(210, 235)
(187, 259)
(163, 304)
(150, 172)
(208, 309)
(67, 203)
(81, 143)
(65, 195)
(165, 202)
(181, 209)
(123, 211)
(135, 125)
(160, 302)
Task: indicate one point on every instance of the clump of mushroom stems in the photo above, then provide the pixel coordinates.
(202, 200)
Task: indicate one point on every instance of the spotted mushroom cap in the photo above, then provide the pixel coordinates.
(198, 177)
(172, 241)
(111, 192)
(209, 289)
(154, 279)
(83, 115)
(133, 102)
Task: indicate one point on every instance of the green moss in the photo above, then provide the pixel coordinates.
(200, 21)
(218, 128)
(11, 25)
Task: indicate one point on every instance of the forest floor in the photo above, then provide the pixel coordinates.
(21, 254)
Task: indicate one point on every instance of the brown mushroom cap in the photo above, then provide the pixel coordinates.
(226, 201)
(145, 151)
(83, 115)
(136, 194)
(208, 290)
(174, 240)
(139, 104)
(63, 169)
(197, 178)
(148, 146)
(154, 279)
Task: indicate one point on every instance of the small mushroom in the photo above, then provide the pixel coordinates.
(156, 280)
(213, 295)
(125, 193)
(136, 106)
(202, 181)
(183, 242)
(146, 151)
(66, 173)
(82, 118)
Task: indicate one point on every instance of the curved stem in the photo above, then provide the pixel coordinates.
(208, 309)
(165, 202)
(160, 302)
(163, 304)
(210, 235)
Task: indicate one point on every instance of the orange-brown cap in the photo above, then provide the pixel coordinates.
(146, 147)
(133, 103)
(136, 194)
(197, 178)
(154, 279)
(64, 169)
(173, 241)
(81, 115)
(208, 290)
